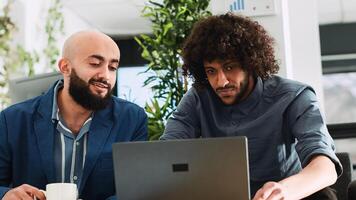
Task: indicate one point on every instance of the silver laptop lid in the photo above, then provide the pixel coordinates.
(209, 169)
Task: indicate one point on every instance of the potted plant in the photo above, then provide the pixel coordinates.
(172, 21)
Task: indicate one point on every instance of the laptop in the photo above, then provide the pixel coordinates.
(190, 169)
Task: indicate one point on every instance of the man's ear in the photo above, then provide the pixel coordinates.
(64, 68)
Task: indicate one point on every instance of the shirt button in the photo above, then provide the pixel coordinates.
(77, 143)
(75, 178)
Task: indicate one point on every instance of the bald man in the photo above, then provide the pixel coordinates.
(66, 135)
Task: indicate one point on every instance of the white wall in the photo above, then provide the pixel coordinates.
(30, 18)
(296, 31)
(305, 44)
(277, 26)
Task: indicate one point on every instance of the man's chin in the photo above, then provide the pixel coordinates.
(100, 95)
(227, 100)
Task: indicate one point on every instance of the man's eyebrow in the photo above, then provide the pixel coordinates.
(230, 62)
(101, 58)
(114, 61)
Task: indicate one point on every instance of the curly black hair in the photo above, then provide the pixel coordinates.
(228, 37)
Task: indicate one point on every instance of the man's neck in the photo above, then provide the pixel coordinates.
(72, 113)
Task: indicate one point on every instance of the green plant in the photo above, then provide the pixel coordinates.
(54, 26)
(6, 28)
(12, 57)
(172, 21)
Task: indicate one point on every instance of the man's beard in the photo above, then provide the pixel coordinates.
(243, 89)
(244, 84)
(81, 93)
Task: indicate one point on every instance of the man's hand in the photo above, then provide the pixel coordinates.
(272, 191)
(312, 178)
(24, 192)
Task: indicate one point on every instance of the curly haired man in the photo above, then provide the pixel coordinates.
(235, 93)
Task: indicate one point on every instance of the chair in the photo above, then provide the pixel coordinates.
(344, 187)
(342, 183)
(352, 190)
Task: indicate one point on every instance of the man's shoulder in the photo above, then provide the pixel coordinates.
(32, 104)
(198, 93)
(194, 96)
(275, 86)
(27, 106)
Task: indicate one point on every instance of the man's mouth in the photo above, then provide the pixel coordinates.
(100, 84)
(226, 91)
(100, 87)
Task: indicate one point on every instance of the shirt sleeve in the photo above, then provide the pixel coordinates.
(184, 122)
(309, 128)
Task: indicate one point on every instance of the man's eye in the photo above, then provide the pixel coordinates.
(94, 64)
(112, 68)
(209, 71)
(228, 68)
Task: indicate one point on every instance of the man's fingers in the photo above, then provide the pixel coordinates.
(20, 193)
(266, 191)
(24, 192)
(39, 195)
(277, 194)
(268, 188)
(258, 195)
(33, 191)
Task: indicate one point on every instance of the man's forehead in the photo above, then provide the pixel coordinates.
(221, 61)
(98, 47)
(90, 43)
(103, 58)
(99, 51)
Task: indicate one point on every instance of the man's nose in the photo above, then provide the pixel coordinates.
(222, 79)
(104, 72)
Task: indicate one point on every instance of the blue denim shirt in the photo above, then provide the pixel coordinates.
(281, 119)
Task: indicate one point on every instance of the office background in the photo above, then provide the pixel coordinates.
(315, 42)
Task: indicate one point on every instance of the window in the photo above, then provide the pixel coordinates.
(340, 97)
(338, 49)
(130, 85)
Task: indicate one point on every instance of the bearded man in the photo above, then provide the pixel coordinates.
(66, 135)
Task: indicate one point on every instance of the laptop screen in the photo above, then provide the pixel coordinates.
(209, 168)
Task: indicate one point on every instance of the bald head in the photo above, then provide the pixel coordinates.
(84, 41)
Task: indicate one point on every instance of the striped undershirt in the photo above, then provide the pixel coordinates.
(69, 149)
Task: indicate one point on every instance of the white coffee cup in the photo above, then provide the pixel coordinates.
(61, 191)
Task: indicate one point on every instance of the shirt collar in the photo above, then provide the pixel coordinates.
(55, 109)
